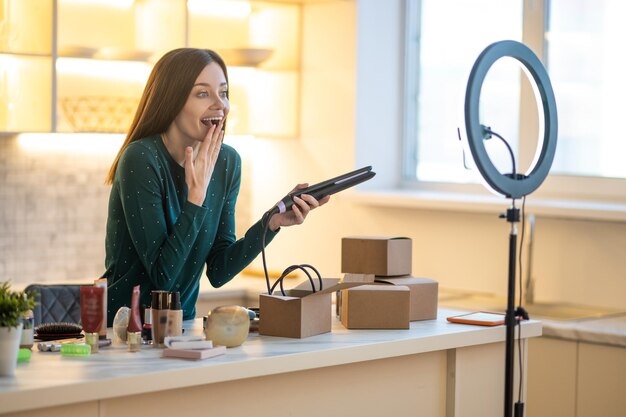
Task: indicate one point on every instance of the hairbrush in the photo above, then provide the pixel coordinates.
(62, 330)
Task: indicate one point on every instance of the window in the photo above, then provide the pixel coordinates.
(580, 42)
(584, 43)
(447, 45)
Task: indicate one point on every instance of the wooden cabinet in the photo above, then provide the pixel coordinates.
(551, 377)
(80, 66)
(601, 381)
(25, 65)
(575, 379)
(104, 54)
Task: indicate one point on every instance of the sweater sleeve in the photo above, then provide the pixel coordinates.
(163, 252)
(228, 256)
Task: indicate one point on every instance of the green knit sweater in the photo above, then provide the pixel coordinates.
(161, 241)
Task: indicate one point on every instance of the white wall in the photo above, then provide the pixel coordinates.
(53, 209)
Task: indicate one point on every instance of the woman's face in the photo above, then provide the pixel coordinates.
(207, 103)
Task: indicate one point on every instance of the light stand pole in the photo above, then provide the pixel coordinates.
(511, 185)
(512, 216)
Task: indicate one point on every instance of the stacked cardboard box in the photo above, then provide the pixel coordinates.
(388, 261)
(423, 295)
(301, 311)
(377, 292)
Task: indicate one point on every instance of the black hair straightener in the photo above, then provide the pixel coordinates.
(324, 188)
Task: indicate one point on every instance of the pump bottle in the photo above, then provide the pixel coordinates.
(175, 316)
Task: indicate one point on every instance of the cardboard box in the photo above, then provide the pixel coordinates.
(300, 312)
(424, 295)
(362, 278)
(385, 256)
(375, 307)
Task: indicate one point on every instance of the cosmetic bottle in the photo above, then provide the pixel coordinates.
(133, 335)
(174, 316)
(146, 331)
(160, 308)
(28, 320)
(91, 299)
(102, 283)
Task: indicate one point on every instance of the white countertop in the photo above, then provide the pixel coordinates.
(610, 329)
(50, 379)
(607, 330)
(579, 323)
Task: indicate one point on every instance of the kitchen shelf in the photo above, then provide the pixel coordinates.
(25, 93)
(26, 27)
(90, 57)
(245, 57)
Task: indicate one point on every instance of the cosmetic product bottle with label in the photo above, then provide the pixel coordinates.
(102, 283)
(133, 335)
(146, 331)
(91, 299)
(160, 308)
(28, 320)
(175, 316)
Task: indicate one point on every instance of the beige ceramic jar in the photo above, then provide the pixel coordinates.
(227, 325)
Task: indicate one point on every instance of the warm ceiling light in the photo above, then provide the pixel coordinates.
(220, 8)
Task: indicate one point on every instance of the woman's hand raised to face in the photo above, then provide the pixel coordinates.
(198, 171)
(298, 211)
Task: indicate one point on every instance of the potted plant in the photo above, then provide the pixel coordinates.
(13, 306)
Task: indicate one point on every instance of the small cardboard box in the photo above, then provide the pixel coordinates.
(385, 256)
(300, 312)
(424, 295)
(375, 307)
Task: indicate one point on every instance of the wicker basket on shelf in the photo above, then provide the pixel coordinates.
(99, 113)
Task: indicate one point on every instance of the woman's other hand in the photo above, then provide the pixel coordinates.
(298, 212)
(198, 170)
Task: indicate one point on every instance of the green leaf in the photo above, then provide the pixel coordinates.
(13, 305)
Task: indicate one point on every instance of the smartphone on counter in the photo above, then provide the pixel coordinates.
(479, 318)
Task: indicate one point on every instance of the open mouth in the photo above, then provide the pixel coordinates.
(208, 121)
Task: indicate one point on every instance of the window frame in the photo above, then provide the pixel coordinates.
(535, 18)
(559, 196)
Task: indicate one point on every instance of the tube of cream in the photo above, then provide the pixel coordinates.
(91, 299)
(134, 323)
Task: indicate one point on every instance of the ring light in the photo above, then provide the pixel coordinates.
(505, 184)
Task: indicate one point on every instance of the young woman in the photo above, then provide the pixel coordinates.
(174, 189)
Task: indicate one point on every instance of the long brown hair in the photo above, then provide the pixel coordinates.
(165, 94)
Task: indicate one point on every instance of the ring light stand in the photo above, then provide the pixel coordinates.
(512, 185)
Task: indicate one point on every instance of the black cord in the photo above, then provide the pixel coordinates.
(270, 288)
(265, 221)
(488, 131)
(292, 268)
